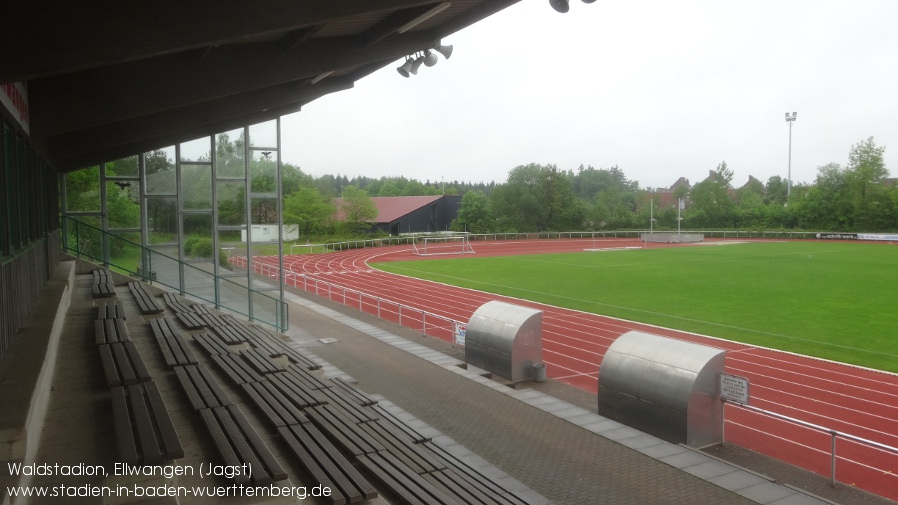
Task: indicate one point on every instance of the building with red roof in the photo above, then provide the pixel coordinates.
(411, 214)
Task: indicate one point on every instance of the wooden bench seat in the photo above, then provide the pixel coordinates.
(236, 368)
(103, 285)
(190, 320)
(212, 344)
(122, 364)
(176, 303)
(213, 320)
(398, 444)
(413, 434)
(200, 308)
(272, 347)
(202, 387)
(350, 390)
(296, 390)
(261, 362)
(407, 486)
(239, 443)
(308, 378)
(461, 478)
(108, 331)
(112, 309)
(326, 465)
(468, 491)
(143, 428)
(279, 409)
(174, 347)
(343, 430)
(231, 335)
(146, 301)
(348, 405)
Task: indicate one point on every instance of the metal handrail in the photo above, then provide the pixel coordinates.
(311, 284)
(834, 434)
(280, 307)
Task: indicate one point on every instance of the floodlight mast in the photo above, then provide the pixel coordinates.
(790, 120)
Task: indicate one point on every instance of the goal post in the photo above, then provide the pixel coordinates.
(449, 244)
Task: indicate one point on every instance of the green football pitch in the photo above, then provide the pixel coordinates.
(832, 300)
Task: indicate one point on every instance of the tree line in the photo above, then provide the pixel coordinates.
(856, 197)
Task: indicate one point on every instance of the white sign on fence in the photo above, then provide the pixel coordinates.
(460, 329)
(734, 388)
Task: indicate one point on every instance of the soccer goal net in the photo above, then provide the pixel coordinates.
(451, 244)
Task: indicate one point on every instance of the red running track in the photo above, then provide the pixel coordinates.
(849, 399)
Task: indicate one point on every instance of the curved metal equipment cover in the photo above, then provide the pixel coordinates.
(663, 386)
(505, 339)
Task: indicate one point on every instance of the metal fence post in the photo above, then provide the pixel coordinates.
(832, 478)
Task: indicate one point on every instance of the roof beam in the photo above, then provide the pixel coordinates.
(87, 99)
(186, 123)
(393, 22)
(110, 32)
(147, 144)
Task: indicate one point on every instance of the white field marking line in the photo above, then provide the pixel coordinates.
(576, 346)
(826, 370)
(823, 416)
(563, 340)
(761, 398)
(821, 451)
(814, 401)
(788, 441)
(834, 406)
(573, 358)
(721, 242)
(582, 323)
(736, 367)
(577, 375)
(625, 248)
(551, 366)
(661, 314)
(531, 259)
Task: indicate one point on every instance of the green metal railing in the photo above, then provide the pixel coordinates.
(197, 279)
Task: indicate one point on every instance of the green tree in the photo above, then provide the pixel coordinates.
(475, 214)
(308, 209)
(826, 205)
(865, 173)
(388, 188)
(712, 205)
(520, 202)
(776, 191)
(359, 210)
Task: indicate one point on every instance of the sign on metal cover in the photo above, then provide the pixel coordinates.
(734, 388)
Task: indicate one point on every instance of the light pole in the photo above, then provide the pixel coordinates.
(790, 120)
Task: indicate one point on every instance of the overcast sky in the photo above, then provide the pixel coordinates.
(660, 88)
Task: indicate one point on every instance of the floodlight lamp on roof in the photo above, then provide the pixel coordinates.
(563, 6)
